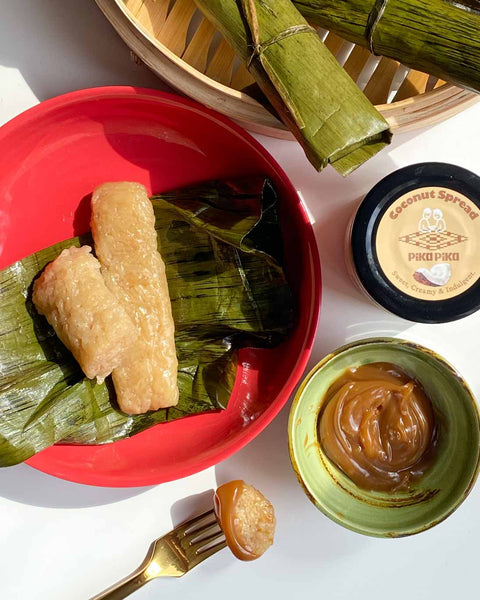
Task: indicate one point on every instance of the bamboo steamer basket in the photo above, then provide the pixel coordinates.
(174, 40)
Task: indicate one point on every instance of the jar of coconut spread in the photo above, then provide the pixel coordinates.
(414, 243)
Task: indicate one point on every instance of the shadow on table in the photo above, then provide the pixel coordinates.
(70, 45)
(28, 486)
(189, 507)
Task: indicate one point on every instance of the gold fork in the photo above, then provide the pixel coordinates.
(172, 555)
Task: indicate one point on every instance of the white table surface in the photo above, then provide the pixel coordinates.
(62, 540)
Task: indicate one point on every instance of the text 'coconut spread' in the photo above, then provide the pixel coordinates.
(414, 241)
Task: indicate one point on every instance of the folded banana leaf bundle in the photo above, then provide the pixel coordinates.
(440, 37)
(312, 94)
(222, 247)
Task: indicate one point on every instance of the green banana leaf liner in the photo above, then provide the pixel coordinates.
(222, 247)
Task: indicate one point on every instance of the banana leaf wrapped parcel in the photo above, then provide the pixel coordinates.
(325, 110)
(222, 247)
(440, 37)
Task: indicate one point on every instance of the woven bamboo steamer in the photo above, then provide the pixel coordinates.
(174, 40)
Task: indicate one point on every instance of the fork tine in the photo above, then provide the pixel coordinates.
(191, 525)
(196, 547)
(196, 537)
(201, 556)
(200, 534)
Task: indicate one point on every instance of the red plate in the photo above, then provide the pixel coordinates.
(53, 155)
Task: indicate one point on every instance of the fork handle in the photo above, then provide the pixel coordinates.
(124, 587)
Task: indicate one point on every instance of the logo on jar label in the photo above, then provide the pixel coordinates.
(427, 243)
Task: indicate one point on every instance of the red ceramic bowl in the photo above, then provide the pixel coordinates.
(53, 155)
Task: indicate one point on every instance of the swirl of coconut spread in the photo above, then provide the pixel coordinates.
(378, 427)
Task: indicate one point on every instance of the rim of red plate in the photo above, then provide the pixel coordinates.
(294, 378)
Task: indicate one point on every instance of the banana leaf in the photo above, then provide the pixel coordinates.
(317, 100)
(221, 243)
(440, 37)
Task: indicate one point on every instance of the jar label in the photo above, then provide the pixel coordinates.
(427, 243)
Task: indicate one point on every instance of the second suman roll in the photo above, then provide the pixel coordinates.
(123, 228)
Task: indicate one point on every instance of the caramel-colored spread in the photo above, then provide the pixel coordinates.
(246, 518)
(378, 427)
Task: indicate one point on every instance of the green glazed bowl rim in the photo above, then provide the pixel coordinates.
(365, 342)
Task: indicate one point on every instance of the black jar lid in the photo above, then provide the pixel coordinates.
(416, 242)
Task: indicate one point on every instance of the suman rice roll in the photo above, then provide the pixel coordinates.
(123, 228)
(246, 517)
(84, 313)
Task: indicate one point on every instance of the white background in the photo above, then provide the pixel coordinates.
(61, 540)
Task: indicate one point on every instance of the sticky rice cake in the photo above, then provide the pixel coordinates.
(84, 313)
(254, 521)
(246, 517)
(123, 228)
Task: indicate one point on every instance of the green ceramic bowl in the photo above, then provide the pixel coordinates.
(445, 484)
